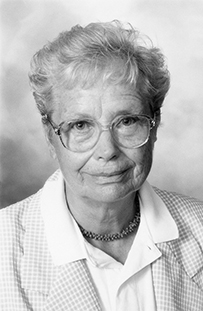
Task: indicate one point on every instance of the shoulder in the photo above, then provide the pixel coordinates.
(186, 211)
(16, 214)
(19, 213)
(180, 202)
(25, 261)
(14, 221)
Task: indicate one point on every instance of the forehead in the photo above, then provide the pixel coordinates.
(99, 100)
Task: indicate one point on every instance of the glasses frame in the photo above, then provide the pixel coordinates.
(57, 130)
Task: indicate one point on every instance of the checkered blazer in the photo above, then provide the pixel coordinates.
(30, 281)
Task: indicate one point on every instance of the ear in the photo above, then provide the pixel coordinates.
(154, 135)
(49, 139)
(158, 121)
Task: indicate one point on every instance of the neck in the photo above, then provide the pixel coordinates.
(102, 217)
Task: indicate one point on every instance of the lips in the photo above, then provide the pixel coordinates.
(108, 173)
(113, 176)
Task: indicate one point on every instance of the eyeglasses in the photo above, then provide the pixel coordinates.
(80, 135)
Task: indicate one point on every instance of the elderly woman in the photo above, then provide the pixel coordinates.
(97, 236)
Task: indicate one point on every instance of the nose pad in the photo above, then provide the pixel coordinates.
(106, 148)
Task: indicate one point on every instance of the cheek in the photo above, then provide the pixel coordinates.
(142, 159)
(71, 163)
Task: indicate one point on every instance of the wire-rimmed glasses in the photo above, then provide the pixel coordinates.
(80, 135)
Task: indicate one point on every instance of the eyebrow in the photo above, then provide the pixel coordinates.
(122, 112)
(128, 111)
(78, 115)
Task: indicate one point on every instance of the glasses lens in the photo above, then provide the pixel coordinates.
(132, 131)
(79, 135)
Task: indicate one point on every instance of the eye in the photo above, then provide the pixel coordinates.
(128, 121)
(81, 125)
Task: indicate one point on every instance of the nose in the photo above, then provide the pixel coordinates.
(106, 148)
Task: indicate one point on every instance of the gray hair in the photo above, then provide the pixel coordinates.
(107, 51)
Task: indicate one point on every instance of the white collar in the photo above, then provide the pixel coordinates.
(161, 225)
(60, 228)
(65, 241)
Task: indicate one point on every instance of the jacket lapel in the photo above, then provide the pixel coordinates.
(73, 290)
(178, 273)
(37, 269)
(173, 285)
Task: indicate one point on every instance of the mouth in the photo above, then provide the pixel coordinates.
(109, 174)
(110, 177)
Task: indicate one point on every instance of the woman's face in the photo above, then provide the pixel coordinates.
(107, 172)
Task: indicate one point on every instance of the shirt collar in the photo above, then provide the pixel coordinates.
(157, 216)
(65, 241)
(61, 230)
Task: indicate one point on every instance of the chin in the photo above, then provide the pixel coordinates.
(111, 193)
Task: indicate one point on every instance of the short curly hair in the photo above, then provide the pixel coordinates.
(108, 51)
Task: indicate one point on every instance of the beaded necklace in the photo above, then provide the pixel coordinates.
(118, 235)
